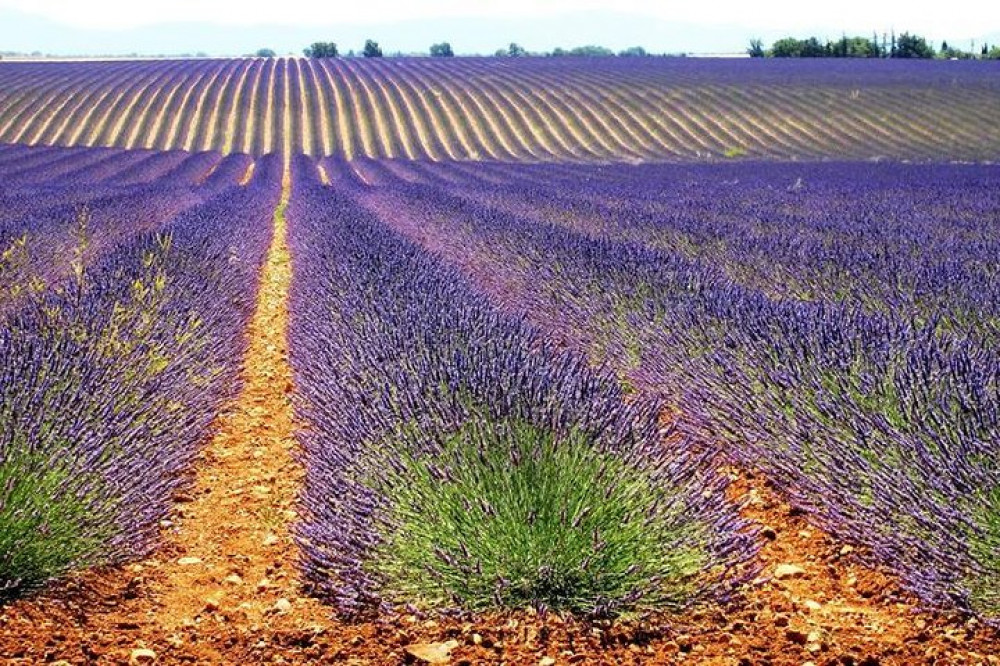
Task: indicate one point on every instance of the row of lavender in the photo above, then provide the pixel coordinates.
(111, 377)
(62, 208)
(455, 459)
(883, 236)
(885, 429)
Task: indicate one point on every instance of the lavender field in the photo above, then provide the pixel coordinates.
(534, 109)
(539, 312)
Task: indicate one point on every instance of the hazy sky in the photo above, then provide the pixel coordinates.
(957, 20)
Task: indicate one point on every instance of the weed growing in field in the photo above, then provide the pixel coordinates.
(511, 514)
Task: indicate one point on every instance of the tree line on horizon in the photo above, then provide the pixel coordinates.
(906, 45)
(445, 50)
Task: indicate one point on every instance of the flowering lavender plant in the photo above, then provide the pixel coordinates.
(456, 459)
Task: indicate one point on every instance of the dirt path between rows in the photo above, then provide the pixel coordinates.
(224, 590)
(225, 580)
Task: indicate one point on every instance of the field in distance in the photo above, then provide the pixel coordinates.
(535, 109)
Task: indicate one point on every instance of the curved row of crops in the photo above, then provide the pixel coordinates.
(116, 359)
(529, 109)
(867, 386)
(456, 459)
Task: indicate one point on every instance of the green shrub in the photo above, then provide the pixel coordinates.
(510, 515)
(48, 524)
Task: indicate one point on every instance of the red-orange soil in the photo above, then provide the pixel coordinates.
(223, 589)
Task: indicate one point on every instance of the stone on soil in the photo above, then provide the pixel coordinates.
(142, 656)
(432, 653)
(784, 571)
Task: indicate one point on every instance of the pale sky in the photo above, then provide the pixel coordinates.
(957, 20)
(859, 15)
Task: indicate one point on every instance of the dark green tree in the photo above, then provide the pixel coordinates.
(265, 53)
(442, 50)
(515, 50)
(811, 48)
(372, 49)
(756, 48)
(633, 52)
(787, 47)
(912, 46)
(321, 50)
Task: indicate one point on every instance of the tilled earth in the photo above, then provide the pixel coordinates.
(825, 609)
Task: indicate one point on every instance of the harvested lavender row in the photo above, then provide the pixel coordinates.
(108, 385)
(884, 430)
(456, 460)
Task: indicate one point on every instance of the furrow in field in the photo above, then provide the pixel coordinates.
(906, 117)
(875, 137)
(561, 123)
(758, 109)
(646, 100)
(158, 125)
(22, 92)
(694, 110)
(641, 137)
(802, 118)
(364, 116)
(544, 124)
(72, 123)
(349, 133)
(82, 130)
(673, 138)
(286, 135)
(937, 118)
(30, 108)
(434, 137)
(387, 97)
(248, 113)
(304, 90)
(232, 111)
(122, 125)
(321, 110)
(586, 123)
(753, 136)
(268, 140)
(978, 107)
(445, 121)
(514, 113)
(693, 138)
(210, 135)
(180, 114)
(23, 128)
(488, 130)
(152, 104)
(264, 112)
(374, 110)
(111, 107)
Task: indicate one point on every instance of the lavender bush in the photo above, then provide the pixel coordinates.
(109, 383)
(455, 459)
(881, 423)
